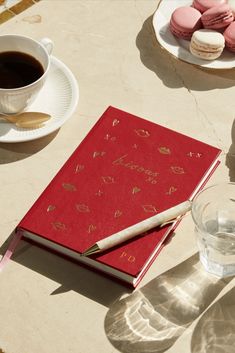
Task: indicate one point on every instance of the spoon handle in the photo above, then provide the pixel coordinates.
(27, 119)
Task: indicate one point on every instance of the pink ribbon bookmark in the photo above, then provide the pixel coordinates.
(11, 248)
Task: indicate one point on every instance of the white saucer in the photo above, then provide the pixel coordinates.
(179, 47)
(58, 97)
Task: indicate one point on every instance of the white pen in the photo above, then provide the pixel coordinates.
(138, 228)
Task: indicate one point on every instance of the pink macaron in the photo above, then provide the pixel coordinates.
(184, 21)
(204, 5)
(218, 17)
(229, 36)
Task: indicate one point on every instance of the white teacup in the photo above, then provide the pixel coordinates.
(15, 100)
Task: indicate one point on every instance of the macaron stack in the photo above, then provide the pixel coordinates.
(209, 25)
(204, 5)
(185, 21)
(229, 36)
(217, 17)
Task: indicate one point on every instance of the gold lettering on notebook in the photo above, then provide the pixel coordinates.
(142, 133)
(117, 213)
(135, 190)
(98, 154)
(194, 154)
(69, 187)
(149, 208)
(122, 161)
(108, 179)
(128, 257)
(99, 193)
(79, 168)
(50, 208)
(171, 190)
(164, 150)
(58, 226)
(115, 122)
(108, 137)
(177, 170)
(131, 258)
(151, 180)
(82, 208)
(91, 228)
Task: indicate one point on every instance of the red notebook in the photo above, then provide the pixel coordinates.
(125, 170)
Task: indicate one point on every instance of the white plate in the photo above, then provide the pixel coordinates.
(58, 97)
(179, 47)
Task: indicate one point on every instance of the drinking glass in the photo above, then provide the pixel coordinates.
(213, 213)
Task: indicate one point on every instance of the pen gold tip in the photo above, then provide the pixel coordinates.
(92, 250)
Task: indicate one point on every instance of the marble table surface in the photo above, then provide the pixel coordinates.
(11, 8)
(50, 305)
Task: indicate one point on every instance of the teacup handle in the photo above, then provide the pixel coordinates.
(48, 44)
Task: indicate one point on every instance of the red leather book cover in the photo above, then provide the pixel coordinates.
(125, 170)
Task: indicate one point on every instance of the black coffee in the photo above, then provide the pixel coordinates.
(18, 69)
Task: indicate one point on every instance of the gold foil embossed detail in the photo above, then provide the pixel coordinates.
(108, 137)
(124, 162)
(171, 190)
(164, 150)
(99, 193)
(58, 226)
(82, 208)
(50, 208)
(194, 154)
(117, 213)
(135, 190)
(91, 228)
(79, 168)
(127, 257)
(199, 155)
(69, 187)
(177, 170)
(149, 208)
(115, 122)
(151, 180)
(98, 154)
(108, 179)
(142, 133)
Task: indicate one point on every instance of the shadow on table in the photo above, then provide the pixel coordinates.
(152, 318)
(69, 275)
(12, 152)
(230, 157)
(175, 73)
(215, 331)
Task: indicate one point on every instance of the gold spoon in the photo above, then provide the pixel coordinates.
(27, 120)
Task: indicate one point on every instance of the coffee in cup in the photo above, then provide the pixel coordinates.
(24, 65)
(18, 69)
